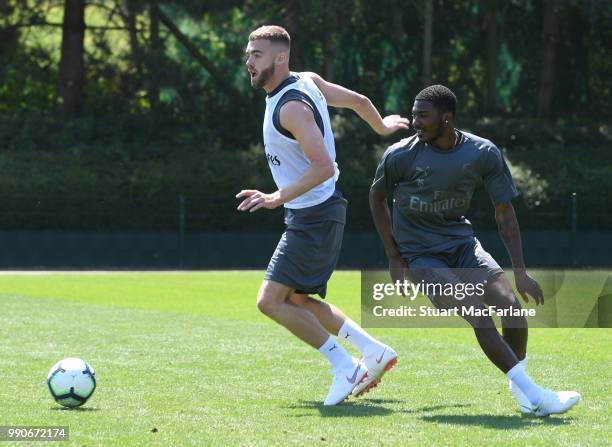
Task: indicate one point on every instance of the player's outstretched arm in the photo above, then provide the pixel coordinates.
(509, 230)
(297, 118)
(382, 220)
(338, 96)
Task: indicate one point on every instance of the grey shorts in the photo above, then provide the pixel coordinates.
(467, 263)
(308, 250)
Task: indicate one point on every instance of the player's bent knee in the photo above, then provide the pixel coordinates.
(507, 300)
(271, 297)
(499, 293)
(266, 305)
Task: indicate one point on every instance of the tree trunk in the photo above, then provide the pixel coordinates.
(9, 36)
(492, 50)
(292, 19)
(155, 57)
(129, 18)
(548, 68)
(221, 78)
(427, 42)
(70, 78)
(333, 27)
(397, 22)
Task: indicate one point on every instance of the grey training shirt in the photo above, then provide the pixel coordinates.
(432, 190)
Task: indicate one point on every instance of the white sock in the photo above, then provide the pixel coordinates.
(529, 388)
(336, 354)
(522, 362)
(355, 335)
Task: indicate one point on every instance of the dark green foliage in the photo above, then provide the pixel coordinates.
(156, 124)
(114, 177)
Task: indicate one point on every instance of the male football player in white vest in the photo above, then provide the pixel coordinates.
(300, 150)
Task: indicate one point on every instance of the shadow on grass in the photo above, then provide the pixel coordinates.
(345, 409)
(494, 421)
(429, 408)
(74, 409)
(361, 408)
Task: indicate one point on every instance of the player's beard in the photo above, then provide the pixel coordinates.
(263, 77)
(438, 133)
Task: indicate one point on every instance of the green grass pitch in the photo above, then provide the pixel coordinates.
(186, 359)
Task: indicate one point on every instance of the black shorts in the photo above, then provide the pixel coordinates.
(467, 263)
(308, 250)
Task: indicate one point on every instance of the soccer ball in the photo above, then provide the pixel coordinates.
(71, 382)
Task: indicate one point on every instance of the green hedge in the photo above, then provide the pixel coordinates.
(94, 176)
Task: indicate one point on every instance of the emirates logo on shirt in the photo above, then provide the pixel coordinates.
(441, 202)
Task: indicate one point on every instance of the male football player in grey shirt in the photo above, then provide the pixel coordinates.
(431, 178)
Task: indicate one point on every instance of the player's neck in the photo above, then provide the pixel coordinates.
(447, 141)
(280, 74)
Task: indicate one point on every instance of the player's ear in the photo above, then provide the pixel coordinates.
(281, 57)
(447, 118)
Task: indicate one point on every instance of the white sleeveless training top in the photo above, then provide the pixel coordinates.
(285, 157)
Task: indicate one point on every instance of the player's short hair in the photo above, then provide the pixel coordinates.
(440, 96)
(272, 33)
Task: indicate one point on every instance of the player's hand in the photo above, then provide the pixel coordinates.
(393, 123)
(526, 286)
(257, 199)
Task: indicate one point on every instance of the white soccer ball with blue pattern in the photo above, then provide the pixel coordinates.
(71, 382)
